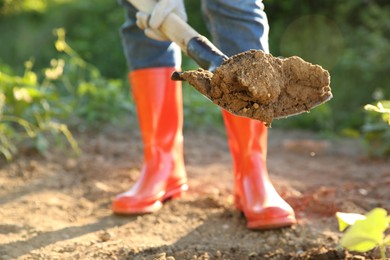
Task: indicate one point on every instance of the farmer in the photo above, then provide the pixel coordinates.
(235, 26)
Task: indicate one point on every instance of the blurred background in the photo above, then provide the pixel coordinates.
(62, 68)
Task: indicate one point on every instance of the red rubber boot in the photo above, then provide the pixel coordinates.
(255, 195)
(160, 113)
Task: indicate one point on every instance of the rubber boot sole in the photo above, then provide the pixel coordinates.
(262, 224)
(267, 223)
(155, 206)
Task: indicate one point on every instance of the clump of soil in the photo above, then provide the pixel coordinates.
(257, 85)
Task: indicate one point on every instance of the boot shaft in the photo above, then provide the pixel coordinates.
(159, 107)
(245, 136)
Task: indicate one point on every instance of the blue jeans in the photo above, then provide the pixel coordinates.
(235, 26)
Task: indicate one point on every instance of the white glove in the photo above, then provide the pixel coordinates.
(151, 23)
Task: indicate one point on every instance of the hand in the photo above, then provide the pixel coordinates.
(151, 23)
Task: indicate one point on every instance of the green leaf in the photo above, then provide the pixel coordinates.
(87, 88)
(6, 152)
(386, 241)
(30, 78)
(366, 234)
(347, 219)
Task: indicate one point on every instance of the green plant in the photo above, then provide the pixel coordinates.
(364, 233)
(28, 110)
(376, 130)
(70, 90)
(94, 98)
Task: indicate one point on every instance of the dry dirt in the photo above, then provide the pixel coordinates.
(257, 85)
(58, 206)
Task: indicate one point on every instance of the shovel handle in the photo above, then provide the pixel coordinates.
(173, 26)
(196, 46)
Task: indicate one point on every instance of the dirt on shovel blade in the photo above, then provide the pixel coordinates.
(257, 85)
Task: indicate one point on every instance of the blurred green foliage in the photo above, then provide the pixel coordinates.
(34, 106)
(30, 111)
(95, 98)
(349, 38)
(92, 27)
(41, 88)
(376, 129)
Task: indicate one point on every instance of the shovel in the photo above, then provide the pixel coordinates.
(251, 84)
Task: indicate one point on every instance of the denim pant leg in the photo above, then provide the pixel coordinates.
(143, 52)
(237, 25)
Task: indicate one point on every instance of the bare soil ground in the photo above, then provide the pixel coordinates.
(58, 206)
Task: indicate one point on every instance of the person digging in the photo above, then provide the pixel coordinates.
(235, 26)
